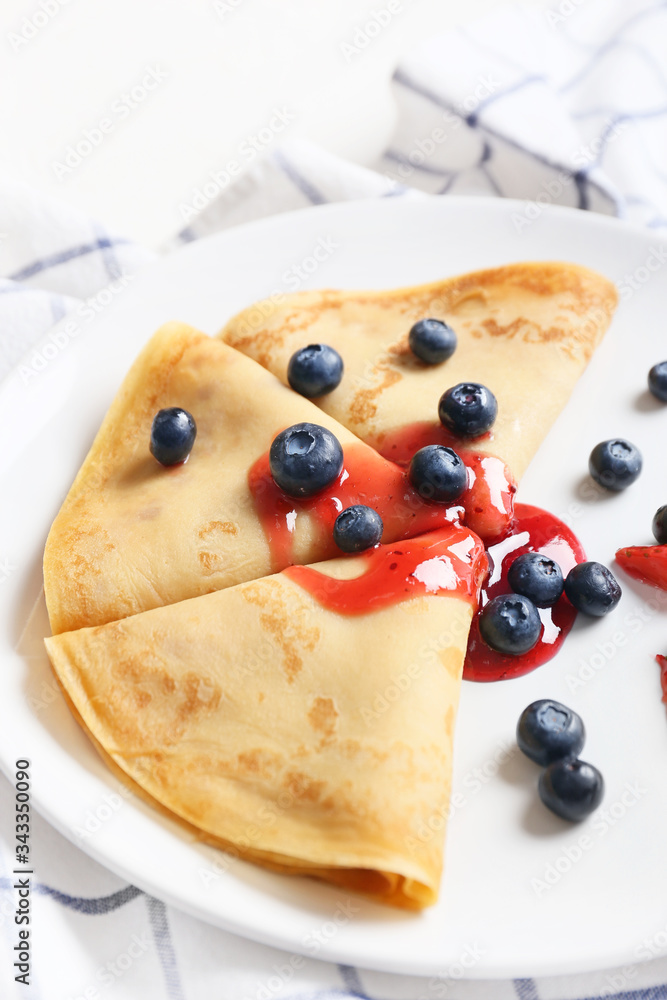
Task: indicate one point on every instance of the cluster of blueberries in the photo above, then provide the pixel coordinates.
(548, 732)
(553, 736)
(511, 623)
(306, 458)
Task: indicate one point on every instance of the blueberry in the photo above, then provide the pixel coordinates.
(510, 624)
(571, 788)
(657, 381)
(536, 577)
(615, 464)
(592, 588)
(357, 528)
(432, 341)
(172, 435)
(305, 459)
(660, 525)
(438, 473)
(315, 370)
(548, 731)
(468, 409)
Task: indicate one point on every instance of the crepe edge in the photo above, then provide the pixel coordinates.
(163, 345)
(378, 885)
(540, 277)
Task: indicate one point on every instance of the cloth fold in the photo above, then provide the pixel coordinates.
(566, 105)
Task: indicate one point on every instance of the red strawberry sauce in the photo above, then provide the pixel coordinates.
(449, 560)
(533, 530)
(426, 548)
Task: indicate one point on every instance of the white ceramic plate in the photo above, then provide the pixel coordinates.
(524, 893)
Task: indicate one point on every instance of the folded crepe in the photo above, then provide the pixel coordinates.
(526, 331)
(303, 721)
(132, 535)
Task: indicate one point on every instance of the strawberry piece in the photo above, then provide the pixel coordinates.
(647, 563)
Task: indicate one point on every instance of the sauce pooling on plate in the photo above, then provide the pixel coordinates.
(533, 530)
(398, 571)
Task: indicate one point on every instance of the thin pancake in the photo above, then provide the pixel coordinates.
(243, 713)
(132, 535)
(526, 331)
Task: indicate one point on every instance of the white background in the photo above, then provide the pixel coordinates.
(229, 64)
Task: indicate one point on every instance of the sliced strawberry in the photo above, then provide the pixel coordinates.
(647, 563)
(662, 660)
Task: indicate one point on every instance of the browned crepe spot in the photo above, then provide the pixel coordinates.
(226, 527)
(323, 717)
(302, 788)
(210, 562)
(289, 632)
(365, 401)
(449, 660)
(257, 761)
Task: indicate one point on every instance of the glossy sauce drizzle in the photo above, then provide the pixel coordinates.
(533, 530)
(489, 499)
(367, 479)
(486, 506)
(450, 560)
(392, 572)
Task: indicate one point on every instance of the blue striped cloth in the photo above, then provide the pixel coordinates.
(564, 105)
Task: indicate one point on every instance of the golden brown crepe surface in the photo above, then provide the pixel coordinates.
(309, 740)
(526, 331)
(254, 713)
(132, 535)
